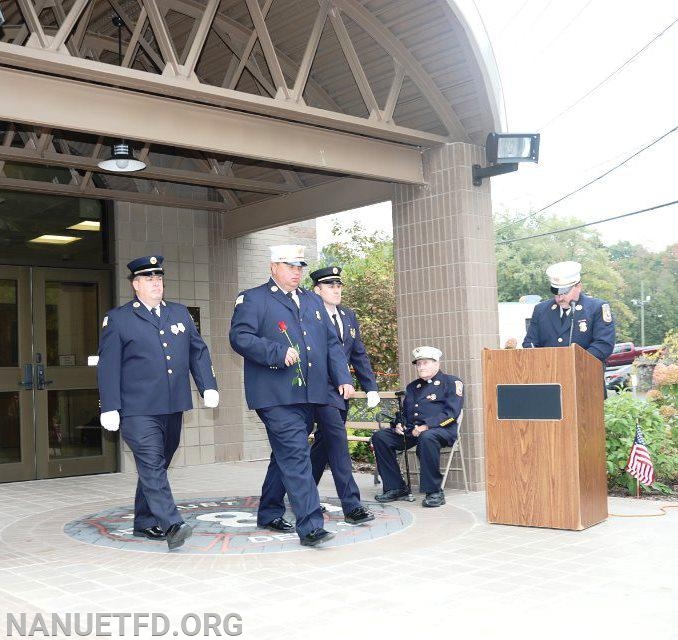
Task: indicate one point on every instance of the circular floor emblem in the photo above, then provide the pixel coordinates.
(229, 526)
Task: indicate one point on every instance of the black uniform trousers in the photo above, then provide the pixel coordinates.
(387, 442)
(330, 445)
(289, 470)
(153, 441)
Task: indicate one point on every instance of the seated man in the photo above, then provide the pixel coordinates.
(432, 405)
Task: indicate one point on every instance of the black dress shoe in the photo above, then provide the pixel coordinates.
(392, 494)
(279, 524)
(317, 536)
(436, 499)
(152, 533)
(359, 515)
(177, 534)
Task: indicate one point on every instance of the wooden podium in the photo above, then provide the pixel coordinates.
(544, 437)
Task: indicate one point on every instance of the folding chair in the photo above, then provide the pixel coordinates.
(446, 467)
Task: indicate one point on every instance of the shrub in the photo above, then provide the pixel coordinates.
(621, 414)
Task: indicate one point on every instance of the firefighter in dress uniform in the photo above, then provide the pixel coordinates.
(431, 408)
(146, 350)
(330, 444)
(571, 316)
(290, 350)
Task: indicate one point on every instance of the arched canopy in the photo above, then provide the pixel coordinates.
(234, 102)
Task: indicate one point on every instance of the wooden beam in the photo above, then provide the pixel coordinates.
(246, 52)
(394, 91)
(306, 204)
(149, 83)
(354, 64)
(136, 116)
(200, 37)
(31, 18)
(385, 38)
(75, 191)
(212, 179)
(268, 48)
(162, 37)
(311, 49)
(68, 23)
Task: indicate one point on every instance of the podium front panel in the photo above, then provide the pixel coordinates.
(533, 474)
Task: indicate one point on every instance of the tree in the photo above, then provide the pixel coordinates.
(521, 264)
(649, 274)
(369, 289)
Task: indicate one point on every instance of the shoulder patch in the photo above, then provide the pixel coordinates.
(105, 322)
(240, 299)
(459, 387)
(607, 314)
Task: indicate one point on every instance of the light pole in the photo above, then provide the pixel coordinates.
(641, 303)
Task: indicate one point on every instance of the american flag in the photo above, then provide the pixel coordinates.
(640, 464)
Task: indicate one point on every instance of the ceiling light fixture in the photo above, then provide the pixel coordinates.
(51, 239)
(87, 225)
(121, 159)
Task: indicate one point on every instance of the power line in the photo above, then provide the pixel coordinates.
(588, 224)
(582, 187)
(602, 82)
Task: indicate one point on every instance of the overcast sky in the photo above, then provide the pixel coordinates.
(551, 53)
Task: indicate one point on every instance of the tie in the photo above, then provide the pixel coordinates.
(565, 319)
(336, 326)
(291, 297)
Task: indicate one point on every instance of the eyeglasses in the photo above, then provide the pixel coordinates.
(155, 278)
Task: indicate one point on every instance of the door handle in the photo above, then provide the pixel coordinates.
(27, 381)
(42, 383)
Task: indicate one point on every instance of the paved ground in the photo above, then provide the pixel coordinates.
(447, 574)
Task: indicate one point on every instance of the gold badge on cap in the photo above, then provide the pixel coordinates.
(153, 260)
(335, 270)
(582, 325)
(607, 314)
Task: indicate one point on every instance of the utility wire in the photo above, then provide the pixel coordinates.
(588, 224)
(602, 82)
(582, 187)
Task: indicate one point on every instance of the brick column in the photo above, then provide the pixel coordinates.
(446, 280)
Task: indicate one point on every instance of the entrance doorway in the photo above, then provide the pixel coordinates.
(49, 402)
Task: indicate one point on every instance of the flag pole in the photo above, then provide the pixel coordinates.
(637, 488)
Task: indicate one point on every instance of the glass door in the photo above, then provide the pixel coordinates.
(17, 436)
(57, 431)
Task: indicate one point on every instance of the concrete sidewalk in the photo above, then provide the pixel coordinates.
(448, 574)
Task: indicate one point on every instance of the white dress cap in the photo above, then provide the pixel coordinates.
(290, 253)
(426, 352)
(564, 275)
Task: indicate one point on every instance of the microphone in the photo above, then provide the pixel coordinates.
(572, 304)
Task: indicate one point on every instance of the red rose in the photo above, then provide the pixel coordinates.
(282, 326)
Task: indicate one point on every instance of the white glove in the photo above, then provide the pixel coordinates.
(110, 420)
(211, 398)
(373, 399)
